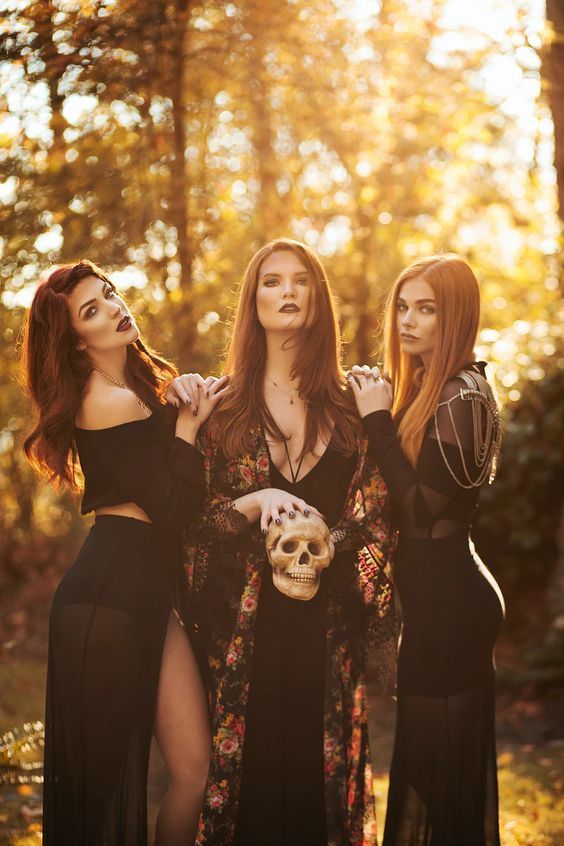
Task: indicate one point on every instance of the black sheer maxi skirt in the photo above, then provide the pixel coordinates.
(443, 782)
(107, 628)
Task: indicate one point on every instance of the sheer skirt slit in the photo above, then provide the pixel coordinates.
(107, 631)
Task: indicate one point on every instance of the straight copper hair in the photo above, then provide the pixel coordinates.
(322, 384)
(417, 390)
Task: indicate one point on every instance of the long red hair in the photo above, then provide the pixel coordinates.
(56, 372)
(417, 390)
(317, 365)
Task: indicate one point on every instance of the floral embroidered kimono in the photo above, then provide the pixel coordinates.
(226, 558)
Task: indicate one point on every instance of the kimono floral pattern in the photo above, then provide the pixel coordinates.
(225, 558)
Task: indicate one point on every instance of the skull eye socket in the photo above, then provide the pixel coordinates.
(314, 548)
(289, 546)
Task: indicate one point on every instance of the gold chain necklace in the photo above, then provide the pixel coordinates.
(143, 405)
(276, 385)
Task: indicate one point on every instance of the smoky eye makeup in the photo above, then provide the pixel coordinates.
(427, 307)
(88, 310)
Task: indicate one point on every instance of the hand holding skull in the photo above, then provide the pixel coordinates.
(299, 549)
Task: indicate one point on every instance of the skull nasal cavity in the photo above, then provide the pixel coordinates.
(289, 546)
(304, 558)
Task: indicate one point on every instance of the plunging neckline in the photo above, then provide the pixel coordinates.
(309, 472)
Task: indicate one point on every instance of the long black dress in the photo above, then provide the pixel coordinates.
(107, 628)
(282, 800)
(443, 782)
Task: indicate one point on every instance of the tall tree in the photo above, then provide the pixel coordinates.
(553, 79)
(553, 67)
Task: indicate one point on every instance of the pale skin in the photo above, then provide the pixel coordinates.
(181, 719)
(284, 300)
(416, 324)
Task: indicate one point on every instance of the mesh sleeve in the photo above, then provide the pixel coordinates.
(422, 493)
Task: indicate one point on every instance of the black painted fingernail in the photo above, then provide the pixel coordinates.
(306, 512)
(188, 401)
(291, 513)
(264, 531)
(194, 414)
(278, 521)
(207, 394)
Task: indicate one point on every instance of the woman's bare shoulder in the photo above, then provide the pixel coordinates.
(107, 405)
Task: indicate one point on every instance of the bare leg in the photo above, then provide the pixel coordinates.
(183, 734)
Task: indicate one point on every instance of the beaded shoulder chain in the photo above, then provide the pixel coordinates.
(486, 425)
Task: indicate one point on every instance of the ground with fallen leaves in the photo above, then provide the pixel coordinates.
(530, 758)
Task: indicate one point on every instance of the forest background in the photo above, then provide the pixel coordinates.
(166, 140)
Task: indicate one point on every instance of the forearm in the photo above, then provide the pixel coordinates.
(248, 506)
(225, 514)
(174, 492)
(420, 493)
(187, 426)
(385, 449)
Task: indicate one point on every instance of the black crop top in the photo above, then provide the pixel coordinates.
(142, 462)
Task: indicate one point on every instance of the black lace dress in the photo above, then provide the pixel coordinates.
(107, 628)
(443, 782)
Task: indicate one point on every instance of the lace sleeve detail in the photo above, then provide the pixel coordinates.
(382, 648)
(222, 518)
(219, 515)
(365, 531)
(348, 535)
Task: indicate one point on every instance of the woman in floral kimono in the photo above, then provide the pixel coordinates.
(290, 761)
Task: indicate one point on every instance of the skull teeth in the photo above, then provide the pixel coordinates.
(302, 577)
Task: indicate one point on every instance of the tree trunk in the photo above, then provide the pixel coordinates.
(269, 215)
(268, 201)
(179, 188)
(365, 340)
(553, 78)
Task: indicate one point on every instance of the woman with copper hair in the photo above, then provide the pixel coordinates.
(434, 430)
(290, 763)
(120, 663)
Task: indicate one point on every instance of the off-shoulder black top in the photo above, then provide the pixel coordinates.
(142, 462)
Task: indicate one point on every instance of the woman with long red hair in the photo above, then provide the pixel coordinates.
(290, 763)
(434, 430)
(120, 663)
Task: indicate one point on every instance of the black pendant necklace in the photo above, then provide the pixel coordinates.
(276, 385)
(293, 474)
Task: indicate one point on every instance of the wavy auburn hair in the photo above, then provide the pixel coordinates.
(416, 389)
(317, 365)
(56, 372)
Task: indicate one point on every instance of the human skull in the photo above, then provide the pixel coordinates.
(299, 549)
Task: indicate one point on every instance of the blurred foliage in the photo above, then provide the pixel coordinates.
(167, 139)
(516, 526)
(21, 758)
